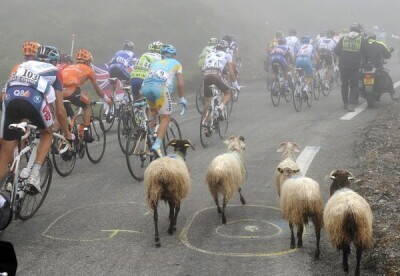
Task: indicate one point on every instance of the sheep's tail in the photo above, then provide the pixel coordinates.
(357, 230)
(218, 183)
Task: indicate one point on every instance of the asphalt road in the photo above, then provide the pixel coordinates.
(95, 222)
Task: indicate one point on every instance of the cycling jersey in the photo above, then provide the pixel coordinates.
(143, 65)
(326, 43)
(165, 71)
(29, 91)
(293, 43)
(75, 75)
(203, 55)
(215, 62)
(304, 58)
(279, 55)
(125, 58)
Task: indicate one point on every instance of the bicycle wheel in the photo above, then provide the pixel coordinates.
(173, 132)
(137, 153)
(206, 130)
(317, 88)
(222, 127)
(109, 117)
(124, 126)
(95, 150)
(63, 163)
(30, 204)
(275, 93)
(297, 97)
(288, 94)
(308, 96)
(200, 98)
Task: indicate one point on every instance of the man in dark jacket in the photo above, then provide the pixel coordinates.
(351, 51)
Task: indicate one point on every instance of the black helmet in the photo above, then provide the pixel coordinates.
(5, 211)
(279, 34)
(356, 27)
(49, 54)
(128, 45)
(228, 38)
(292, 32)
(371, 35)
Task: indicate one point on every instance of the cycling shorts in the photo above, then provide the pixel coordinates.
(136, 84)
(78, 98)
(118, 71)
(217, 80)
(280, 60)
(306, 64)
(24, 103)
(158, 97)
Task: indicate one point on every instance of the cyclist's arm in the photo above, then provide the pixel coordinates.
(61, 114)
(231, 71)
(96, 87)
(180, 84)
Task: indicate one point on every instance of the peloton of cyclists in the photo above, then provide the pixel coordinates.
(326, 47)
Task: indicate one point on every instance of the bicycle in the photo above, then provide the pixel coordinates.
(24, 203)
(141, 137)
(301, 92)
(211, 121)
(279, 87)
(112, 112)
(64, 162)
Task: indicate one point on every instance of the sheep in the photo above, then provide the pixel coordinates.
(347, 218)
(300, 200)
(288, 150)
(226, 174)
(168, 179)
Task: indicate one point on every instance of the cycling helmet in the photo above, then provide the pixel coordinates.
(5, 210)
(155, 46)
(292, 32)
(128, 45)
(279, 34)
(47, 53)
(213, 41)
(83, 56)
(222, 45)
(30, 48)
(228, 38)
(282, 41)
(305, 40)
(168, 50)
(356, 27)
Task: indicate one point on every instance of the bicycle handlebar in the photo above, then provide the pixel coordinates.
(23, 127)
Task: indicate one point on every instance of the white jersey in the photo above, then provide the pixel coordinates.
(306, 50)
(293, 43)
(217, 60)
(326, 43)
(39, 75)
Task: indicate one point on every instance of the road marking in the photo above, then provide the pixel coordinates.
(396, 85)
(350, 115)
(306, 157)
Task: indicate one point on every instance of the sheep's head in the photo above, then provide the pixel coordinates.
(288, 168)
(181, 146)
(288, 149)
(341, 179)
(236, 143)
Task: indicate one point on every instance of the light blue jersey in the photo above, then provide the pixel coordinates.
(164, 71)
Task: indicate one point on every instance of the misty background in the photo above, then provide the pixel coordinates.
(103, 25)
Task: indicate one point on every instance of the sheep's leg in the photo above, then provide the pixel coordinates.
(242, 200)
(359, 254)
(292, 239)
(177, 208)
(223, 210)
(217, 203)
(346, 252)
(157, 237)
(171, 217)
(317, 226)
(300, 229)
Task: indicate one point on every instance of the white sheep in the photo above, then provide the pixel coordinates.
(227, 173)
(289, 151)
(168, 179)
(300, 200)
(347, 218)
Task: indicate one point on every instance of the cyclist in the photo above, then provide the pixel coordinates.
(165, 76)
(293, 42)
(271, 45)
(214, 66)
(73, 77)
(233, 50)
(280, 55)
(208, 49)
(325, 48)
(143, 65)
(305, 59)
(31, 91)
(123, 62)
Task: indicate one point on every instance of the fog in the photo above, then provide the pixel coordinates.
(102, 26)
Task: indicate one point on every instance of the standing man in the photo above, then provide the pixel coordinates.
(351, 50)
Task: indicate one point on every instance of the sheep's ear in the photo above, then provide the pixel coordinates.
(241, 138)
(189, 144)
(172, 143)
(281, 147)
(296, 147)
(280, 170)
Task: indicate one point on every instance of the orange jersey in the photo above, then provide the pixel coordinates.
(75, 75)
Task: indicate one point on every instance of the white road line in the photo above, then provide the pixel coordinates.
(306, 157)
(396, 85)
(350, 115)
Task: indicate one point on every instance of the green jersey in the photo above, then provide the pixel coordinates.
(143, 65)
(204, 53)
